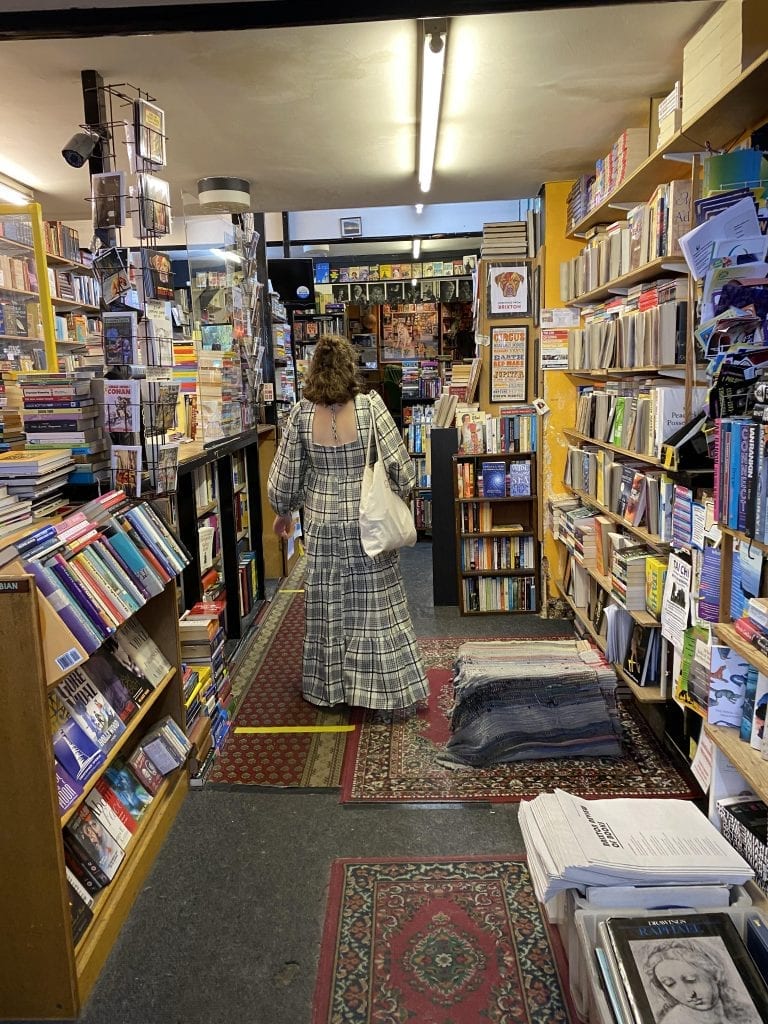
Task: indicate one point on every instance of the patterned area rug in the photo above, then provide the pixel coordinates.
(269, 680)
(390, 761)
(448, 940)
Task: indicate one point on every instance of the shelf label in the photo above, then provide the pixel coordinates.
(14, 586)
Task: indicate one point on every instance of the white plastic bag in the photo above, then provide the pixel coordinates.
(386, 522)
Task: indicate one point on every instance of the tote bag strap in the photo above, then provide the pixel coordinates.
(372, 432)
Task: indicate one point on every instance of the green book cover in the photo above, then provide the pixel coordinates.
(618, 421)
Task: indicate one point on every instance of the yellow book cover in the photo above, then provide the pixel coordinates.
(655, 574)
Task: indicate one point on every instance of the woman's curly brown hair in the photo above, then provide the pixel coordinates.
(332, 378)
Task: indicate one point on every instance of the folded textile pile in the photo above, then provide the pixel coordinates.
(519, 700)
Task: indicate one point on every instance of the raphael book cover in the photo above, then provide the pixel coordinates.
(682, 970)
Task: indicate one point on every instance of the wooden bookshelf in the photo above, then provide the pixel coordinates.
(647, 272)
(745, 759)
(725, 632)
(507, 512)
(42, 973)
(736, 109)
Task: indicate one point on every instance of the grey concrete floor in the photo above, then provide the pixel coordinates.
(228, 924)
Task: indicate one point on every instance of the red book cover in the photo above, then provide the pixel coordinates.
(145, 771)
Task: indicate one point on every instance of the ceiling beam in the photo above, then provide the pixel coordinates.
(224, 16)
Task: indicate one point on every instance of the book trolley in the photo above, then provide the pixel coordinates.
(43, 973)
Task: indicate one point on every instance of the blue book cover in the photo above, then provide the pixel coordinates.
(75, 751)
(90, 708)
(748, 710)
(734, 473)
(133, 559)
(519, 478)
(67, 788)
(494, 479)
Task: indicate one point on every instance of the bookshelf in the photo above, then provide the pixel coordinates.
(44, 972)
(497, 551)
(219, 487)
(740, 106)
(27, 329)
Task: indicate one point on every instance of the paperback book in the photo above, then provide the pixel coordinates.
(90, 708)
(120, 338)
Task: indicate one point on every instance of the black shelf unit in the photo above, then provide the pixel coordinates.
(445, 444)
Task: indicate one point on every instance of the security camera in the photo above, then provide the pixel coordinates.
(80, 147)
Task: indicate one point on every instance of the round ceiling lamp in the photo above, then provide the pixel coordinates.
(317, 249)
(224, 194)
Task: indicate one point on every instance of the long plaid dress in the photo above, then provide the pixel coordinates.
(359, 644)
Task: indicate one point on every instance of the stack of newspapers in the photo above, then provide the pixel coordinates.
(572, 843)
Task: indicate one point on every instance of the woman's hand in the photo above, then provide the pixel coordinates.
(283, 526)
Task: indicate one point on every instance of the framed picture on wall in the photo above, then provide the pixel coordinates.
(509, 364)
(340, 292)
(508, 290)
(536, 296)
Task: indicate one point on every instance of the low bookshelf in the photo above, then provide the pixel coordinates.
(497, 548)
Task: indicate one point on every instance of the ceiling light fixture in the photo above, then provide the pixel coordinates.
(434, 40)
(224, 194)
(416, 248)
(419, 207)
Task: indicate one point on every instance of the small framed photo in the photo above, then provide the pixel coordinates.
(508, 290)
(394, 291)
(340, 292)
(358, 292)
(149, 122)
(351, 227)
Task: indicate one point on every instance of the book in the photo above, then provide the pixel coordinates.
(127, 788)
(68, 789)
(675, 968)
(494, 477)
(125, 466)
(122, 406)
(145, 770)
(119, 329)
(73, 748)
(139, 653)
(90, 708)
(519, 478)
(105, 814)
(103, 674)
(94, 844)
(111, 798)
(108, 199)
(80, 905)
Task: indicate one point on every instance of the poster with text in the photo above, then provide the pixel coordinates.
(509, 349)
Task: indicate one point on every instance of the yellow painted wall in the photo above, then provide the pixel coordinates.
(559, 391)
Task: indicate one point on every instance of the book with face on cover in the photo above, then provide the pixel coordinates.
(688, 968)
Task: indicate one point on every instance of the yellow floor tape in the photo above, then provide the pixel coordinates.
(294, 728)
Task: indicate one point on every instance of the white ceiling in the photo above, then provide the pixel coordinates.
(324, 117)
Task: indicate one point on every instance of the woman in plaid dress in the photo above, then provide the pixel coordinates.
(359, 644)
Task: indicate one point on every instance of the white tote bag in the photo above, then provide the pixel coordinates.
(386, 522)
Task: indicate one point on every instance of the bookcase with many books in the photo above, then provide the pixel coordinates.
(496, 510)
(92, 725)
(639, 360)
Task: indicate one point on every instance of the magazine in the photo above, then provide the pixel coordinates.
(126, 468)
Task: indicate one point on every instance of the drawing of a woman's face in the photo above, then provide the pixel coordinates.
(687, 984)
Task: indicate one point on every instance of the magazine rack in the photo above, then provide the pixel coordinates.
(43, 973)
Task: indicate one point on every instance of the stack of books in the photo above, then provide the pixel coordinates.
(11, 424)
(60, 412)
(508, 238)
(202, 648)
(38, 476)
(15, 512)
(628, 576)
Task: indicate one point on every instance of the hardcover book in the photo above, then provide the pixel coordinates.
(108, 818)
(678, 968)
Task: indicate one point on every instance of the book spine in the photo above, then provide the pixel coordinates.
(80, 566)
(71, 615)
(72, 584)
(79, 870)
(121, 571)
(81, 854)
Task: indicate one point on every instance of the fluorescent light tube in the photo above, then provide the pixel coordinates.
(13, 196)
(416, 248)
(432, 67)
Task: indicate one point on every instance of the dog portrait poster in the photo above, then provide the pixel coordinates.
(508, 290)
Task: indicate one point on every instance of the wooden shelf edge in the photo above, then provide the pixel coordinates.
(112, 907)
(644, 694)
(477, 573)
(647, 538)
(729, 636)
(742, 756)
(738, 535)
(641, 274)
(650, 459)
(130, 730)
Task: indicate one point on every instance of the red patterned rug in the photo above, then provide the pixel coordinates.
(270, 678)
(396, 761)
(445, 940)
